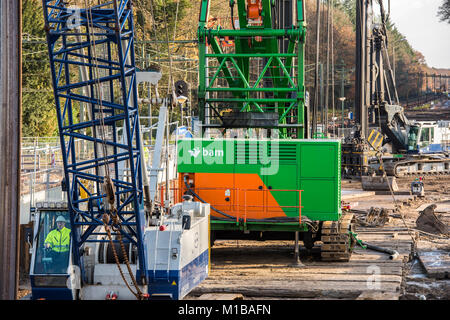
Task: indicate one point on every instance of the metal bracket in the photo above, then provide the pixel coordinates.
(358, 241)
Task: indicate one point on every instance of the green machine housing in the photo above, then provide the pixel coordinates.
(263, 185)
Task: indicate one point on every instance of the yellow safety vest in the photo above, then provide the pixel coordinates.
(59, 240)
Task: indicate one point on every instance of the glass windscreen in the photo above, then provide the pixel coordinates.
(412, 138)
(425, 138)
(53, 241)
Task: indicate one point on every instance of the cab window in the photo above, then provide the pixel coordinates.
(425, 137)
(52, 243)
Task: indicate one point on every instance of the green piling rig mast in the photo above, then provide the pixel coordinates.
(251, 75)
(248, 76)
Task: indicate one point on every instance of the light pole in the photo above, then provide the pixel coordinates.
(181, 101)
(342, 99)
(393, 61)
(394, 45)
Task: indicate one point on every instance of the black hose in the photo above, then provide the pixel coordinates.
(232, 15)
(198, 197)
(275, 15)
(393, 254)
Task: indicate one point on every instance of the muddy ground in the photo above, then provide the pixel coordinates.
(238, 260)
(262, 270)
(416, 283)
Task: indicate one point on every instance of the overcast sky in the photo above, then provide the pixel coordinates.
(417, 21)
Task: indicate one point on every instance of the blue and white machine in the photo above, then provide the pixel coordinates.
(433, 137)
(114, 238)
(180, 258)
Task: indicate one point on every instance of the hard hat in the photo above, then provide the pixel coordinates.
(60, 219)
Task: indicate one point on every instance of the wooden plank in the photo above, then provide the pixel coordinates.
(293, 286)
(295, 289)
(436, 263)
(381, 229)
(245, 270)
(221, 296)
(334, 256)
(332, 280)
(401, 249)
(369, 258)
(275, 276)
(324, 270)
(353, 263)
(389, 244)
(355, 267)
(378, 295)
(360, 256)
(404, 248)
(388, 235)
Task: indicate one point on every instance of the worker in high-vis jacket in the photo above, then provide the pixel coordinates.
(58, 242)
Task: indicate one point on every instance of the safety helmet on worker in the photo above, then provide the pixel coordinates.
(60, 219)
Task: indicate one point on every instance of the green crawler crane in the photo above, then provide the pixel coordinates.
(272, 181)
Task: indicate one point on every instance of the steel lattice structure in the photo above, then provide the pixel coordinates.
(252, 75)
(92, 63)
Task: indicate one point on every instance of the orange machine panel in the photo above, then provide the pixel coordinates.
(239, 195)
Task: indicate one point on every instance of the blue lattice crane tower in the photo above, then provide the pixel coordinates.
(98, 40)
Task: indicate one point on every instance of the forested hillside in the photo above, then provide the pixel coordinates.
(164, 20)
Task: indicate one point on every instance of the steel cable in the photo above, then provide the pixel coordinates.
(109, 185)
